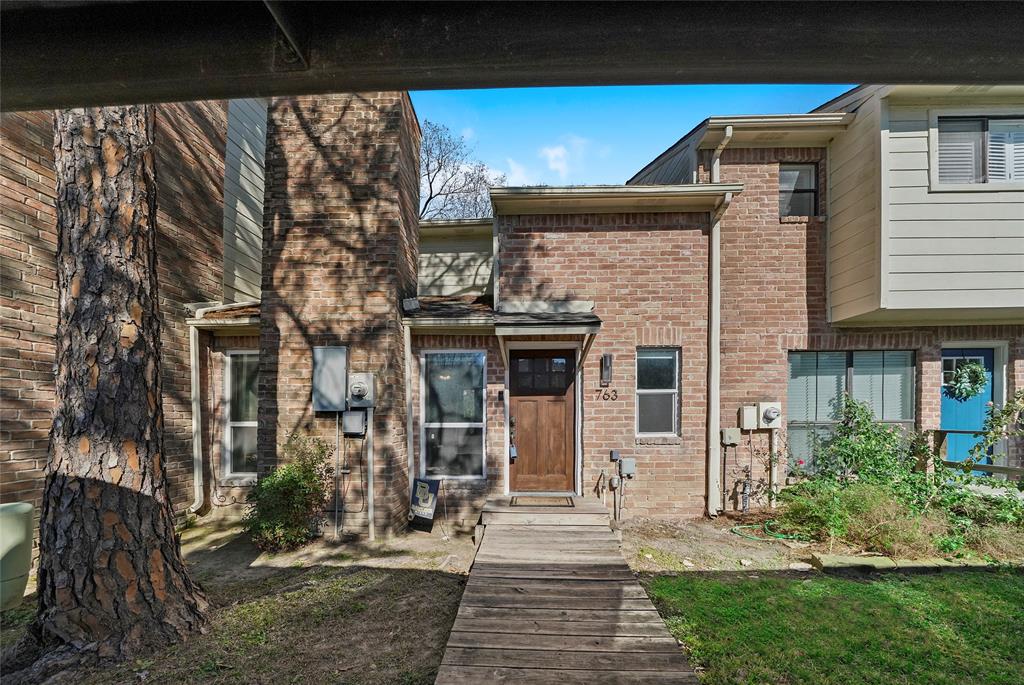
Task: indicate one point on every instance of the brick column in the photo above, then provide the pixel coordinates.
(340, 245)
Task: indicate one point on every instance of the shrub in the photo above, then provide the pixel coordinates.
(868, 490)
(287, 506)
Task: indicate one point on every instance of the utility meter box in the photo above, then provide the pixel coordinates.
(730, 437)
(353, 423)
(769, 414)
(330, 376)
(627, 467)
(361, 390)
(748, 417)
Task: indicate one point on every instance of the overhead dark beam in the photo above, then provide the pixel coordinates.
(87, 53)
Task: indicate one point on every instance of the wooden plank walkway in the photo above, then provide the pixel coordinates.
(550, 599)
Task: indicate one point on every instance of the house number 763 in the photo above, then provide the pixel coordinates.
(606, 394)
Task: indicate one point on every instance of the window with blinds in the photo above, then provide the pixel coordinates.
(884, 379)
(980, 149)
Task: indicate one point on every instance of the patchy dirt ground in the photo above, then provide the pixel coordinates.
(335, 611)
(664, 546)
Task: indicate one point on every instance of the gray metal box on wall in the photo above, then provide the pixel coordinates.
(330, 378)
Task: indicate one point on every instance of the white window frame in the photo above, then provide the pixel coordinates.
(226, 459)
(983, 112)
(675, 392)
(424, 424)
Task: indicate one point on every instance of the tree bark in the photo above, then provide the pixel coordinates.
(112, 582)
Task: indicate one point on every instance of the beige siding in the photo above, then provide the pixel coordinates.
(854, 215)
(946, 249)
(455, 265)
(243, 198)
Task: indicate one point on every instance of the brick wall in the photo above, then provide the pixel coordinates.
(646, 274)
(339, 254)
(773, 301)
(190, 172)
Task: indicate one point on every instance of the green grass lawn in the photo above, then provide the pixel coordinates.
(952, 627)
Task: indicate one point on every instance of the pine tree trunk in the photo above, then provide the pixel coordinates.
(111, 577)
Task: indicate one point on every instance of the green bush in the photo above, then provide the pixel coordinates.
(868, 490)
(286, 507)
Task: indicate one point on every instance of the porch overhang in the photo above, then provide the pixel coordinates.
(232, 318)
(693, 197)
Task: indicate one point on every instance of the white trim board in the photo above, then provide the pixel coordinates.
(422, 470)
(1000, 362)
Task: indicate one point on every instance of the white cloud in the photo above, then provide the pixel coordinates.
(569, 156)
(518, 174)
(468, 133)
(557, 159)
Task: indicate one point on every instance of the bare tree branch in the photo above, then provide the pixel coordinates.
(452, 186)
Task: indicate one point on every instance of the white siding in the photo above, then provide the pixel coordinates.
(243, 198)
(854, 223)
(455, 265)
(946, 249)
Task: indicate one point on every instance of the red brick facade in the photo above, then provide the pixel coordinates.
(340, 246)
(190, 176)
(647, 276)
(773, 300)
(340, 252)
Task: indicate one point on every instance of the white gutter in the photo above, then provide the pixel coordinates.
(199, 495)
(714, 485)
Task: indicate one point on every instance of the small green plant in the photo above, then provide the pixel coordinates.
(287, 506)
(869, 488)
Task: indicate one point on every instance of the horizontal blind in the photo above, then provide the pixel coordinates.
(800, 398)
(867, 380)
(831, 385)
(898, 386)
(961, 143)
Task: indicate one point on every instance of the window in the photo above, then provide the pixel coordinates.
(980, 150)
(241, 373)
(657, 391)
(818, 381)
(452, 391)
(951, 364)
(798, 190)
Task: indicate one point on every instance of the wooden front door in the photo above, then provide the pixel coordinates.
(542, 420)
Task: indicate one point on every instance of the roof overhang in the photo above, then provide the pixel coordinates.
(232, 318)
(459, 227)
(775, 130)
(697, 197)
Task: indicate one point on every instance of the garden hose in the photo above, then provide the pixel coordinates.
(765, 527)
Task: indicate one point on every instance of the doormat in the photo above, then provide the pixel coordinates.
(542, 502)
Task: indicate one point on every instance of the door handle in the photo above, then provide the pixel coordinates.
(512, 452)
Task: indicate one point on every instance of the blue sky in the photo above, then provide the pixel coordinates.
(563, 136)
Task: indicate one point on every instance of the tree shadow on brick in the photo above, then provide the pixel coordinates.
(334, 242)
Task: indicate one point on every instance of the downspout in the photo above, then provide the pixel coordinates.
(407, 341)
(197, 404)
(197, 419)
(714, 468)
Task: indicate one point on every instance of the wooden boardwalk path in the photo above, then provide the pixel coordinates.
(550, 599)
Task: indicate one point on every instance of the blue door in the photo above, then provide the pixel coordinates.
(964, 415)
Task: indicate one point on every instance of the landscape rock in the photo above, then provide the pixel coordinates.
(800, 566)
